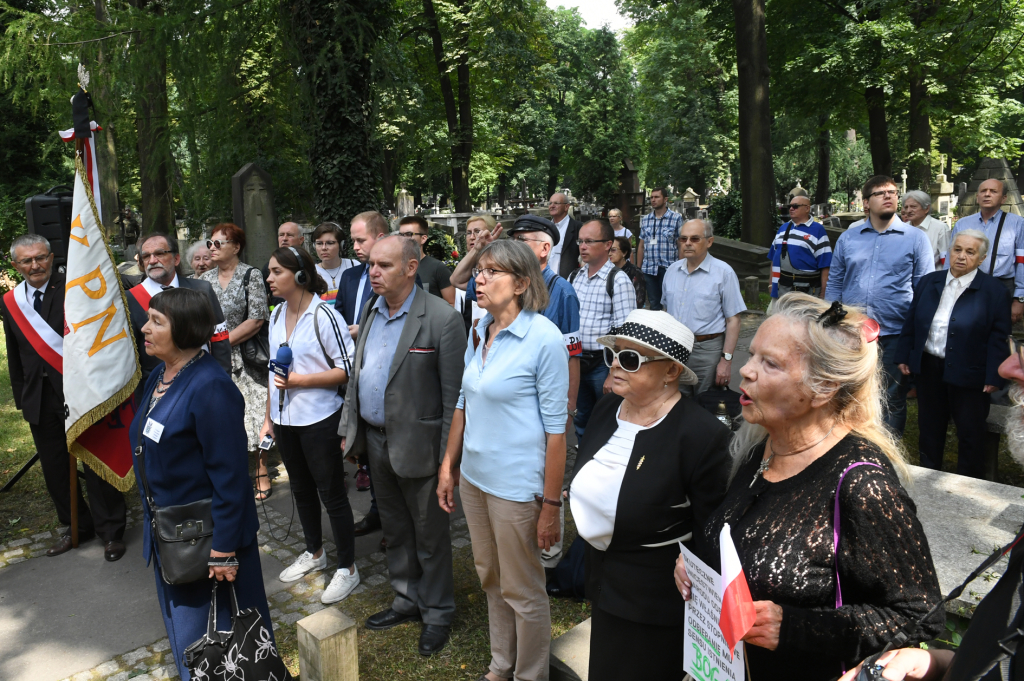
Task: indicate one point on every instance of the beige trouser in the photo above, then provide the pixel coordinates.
(504, 535)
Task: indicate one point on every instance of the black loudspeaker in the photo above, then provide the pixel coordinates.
(49, 215)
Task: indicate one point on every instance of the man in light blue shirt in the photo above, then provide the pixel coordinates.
(703, 293)
(876, 266)
(1008, 253)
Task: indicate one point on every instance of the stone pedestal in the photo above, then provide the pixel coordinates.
(751, 287)
(327, 647)
(252, 200)
(570, 654)
(992, 169)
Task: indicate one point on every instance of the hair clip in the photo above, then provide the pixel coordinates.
(832, 316)
(870, 330)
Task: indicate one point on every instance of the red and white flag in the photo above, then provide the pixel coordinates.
(737, 606)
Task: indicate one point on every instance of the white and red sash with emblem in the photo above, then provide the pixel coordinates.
(144, 292)
(47, 343)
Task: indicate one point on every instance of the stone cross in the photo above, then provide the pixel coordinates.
(904, 176)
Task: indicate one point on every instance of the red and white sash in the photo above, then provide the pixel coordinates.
(43, 339)
(142, 295)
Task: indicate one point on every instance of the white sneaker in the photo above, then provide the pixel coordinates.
(341, 585)
(303, 564)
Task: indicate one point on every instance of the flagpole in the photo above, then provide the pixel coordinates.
(74, 500)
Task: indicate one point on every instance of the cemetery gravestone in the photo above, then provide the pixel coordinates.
(252, 197)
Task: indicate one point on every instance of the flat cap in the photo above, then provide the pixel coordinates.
(535, 223)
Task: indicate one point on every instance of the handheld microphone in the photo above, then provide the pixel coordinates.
(282, 364)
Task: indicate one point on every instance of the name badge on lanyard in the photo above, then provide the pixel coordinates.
(153, 430)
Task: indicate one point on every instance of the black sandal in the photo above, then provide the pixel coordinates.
(266, 493)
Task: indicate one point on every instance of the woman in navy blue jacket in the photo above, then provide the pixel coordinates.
(953, 341)
(196, 448)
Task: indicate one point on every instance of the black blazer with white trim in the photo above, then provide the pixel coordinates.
(667, 497)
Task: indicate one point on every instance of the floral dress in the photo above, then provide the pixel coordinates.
(251, 383)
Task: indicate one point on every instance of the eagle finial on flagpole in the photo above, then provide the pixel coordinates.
(83, 77)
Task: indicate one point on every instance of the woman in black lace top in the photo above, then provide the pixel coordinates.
(812, 400)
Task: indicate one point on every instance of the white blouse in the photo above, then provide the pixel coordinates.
(595, 489)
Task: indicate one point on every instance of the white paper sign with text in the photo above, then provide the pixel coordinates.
(706, 657)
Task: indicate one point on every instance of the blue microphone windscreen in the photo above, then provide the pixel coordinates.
(284, 355)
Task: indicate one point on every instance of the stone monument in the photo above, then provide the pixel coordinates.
(252, 199)
(405, 203)
(988, 169)
(941, 192)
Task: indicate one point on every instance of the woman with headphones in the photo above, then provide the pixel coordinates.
(303, 411)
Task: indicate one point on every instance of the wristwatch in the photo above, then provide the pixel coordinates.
(1020, 299)
(728, 355)
(572, 413)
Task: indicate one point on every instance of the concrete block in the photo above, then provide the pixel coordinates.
(570, 654)
(328, 647)
(751, 288)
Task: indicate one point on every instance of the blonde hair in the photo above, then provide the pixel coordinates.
(840, 363)
(489, 221)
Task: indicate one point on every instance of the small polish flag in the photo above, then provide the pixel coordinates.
(737, 606)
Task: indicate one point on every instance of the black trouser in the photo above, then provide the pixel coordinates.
(106, 517)
(937, 402)
(313, 459)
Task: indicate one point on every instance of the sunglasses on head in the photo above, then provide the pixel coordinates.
(629, 360)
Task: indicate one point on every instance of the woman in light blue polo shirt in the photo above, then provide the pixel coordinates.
(507, 441)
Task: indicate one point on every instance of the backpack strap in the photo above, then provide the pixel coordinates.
(337, 334)
(995, 244)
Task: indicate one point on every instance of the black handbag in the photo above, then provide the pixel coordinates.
(182, 534)
(714, 397)
(246, 651)
(256, 348)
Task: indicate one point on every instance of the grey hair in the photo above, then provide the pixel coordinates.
(709, 229)
(543, 236)
(191, 251)
(974, 234)
(520, 260)
(26, 240)
(921, 198)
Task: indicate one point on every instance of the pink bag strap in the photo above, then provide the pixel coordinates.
(835, 526)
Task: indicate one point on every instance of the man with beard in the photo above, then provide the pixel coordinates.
(988, 651)
(876, 265)
(159, 258)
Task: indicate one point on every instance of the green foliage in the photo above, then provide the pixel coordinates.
(726, 213)
(441, 245)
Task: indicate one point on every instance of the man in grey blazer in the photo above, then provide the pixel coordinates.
(410, 356)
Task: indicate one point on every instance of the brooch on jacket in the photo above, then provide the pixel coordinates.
(640, 462)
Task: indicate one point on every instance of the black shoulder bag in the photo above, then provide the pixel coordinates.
(182, 535)
(255, 349)
(347, 364)
(995, 244)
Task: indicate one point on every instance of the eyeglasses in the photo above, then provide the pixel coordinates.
(487, 273)
(218, 243)
(524, 239)
(629, 360)
(558, 203)
(410, 235)
(886, 193)
(38, 260)
(591, 242)
(325, 244)
(158, 254)
(1016, 349)
(691, 239)
(794, 206)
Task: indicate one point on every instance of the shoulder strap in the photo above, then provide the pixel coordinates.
(139, 451)
(995, 244)
(573, 274)
(551, 284)
(610, 289)
(337, 334)
(785, 242)
(835, 525)
(245, 288)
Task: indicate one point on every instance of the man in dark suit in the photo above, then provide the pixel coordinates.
(401, 399)
(33, 315)
(354, 288)
(953, 341)
(159, 259)
(565, 255)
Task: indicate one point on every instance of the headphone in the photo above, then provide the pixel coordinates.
(300, 274)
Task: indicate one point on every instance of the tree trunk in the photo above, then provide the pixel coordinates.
(757, 178)
(878, 131)
(154, 149)
(460, 133)
(502, 180)
(106, 151)
(822, 188)
(554, 160)
(919, 164)
(387, 177)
